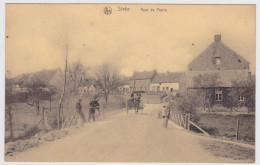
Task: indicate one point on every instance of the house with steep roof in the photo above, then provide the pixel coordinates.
(169, 82)
(140, 81)
(216, 68)
(20, 81)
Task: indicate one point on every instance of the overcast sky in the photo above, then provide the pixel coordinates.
(133, 40)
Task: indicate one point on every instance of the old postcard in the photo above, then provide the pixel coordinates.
(130, 83)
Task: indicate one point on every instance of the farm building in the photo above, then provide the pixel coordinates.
(141, 81)
(215, 69)
(170, 82)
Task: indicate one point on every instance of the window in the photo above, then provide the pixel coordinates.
(241, 98)
(163, 88)
(218, 95)
(167, 88)
(218, 60)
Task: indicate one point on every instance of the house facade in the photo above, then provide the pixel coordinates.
(124, 89)
(215, 69)
(140, 81)
(170, 82)
(153, 82)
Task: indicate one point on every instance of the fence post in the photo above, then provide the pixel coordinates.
(185, 120)
(50, 102)
(126, 106)
(237, 128)
(182, 120)
(10, 118)
(166, 122)
(179, 119)
(188, 122)
(175, 117)
(43, 109)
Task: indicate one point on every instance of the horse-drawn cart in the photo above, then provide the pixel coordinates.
(134, 103)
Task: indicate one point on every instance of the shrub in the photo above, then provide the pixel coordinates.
(187, 104)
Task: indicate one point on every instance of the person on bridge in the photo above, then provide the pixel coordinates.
(79, 111)
(137, 101)
(93, 105)
(132, 96)
(166, 112)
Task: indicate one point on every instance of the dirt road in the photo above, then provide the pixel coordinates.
(124, 138)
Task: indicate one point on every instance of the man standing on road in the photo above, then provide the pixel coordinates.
(79, 111)
(92, 106)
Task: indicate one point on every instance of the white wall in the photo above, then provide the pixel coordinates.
(163, 86)
(124, 89)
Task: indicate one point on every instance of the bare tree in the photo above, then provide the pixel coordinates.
(106, 79)
(64, 41)
(9, 100)
(36, 90)
(77, 75)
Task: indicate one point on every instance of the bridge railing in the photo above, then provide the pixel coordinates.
(181, 119)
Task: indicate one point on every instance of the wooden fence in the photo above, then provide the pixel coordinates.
(183, 120)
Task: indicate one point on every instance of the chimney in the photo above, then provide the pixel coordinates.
(217, 38)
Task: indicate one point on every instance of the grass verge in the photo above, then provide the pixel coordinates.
(231, 151)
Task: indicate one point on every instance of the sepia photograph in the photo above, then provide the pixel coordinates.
(130, 83)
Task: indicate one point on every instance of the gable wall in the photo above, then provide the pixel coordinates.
(229, 59)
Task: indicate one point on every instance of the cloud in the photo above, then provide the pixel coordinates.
(133, 41)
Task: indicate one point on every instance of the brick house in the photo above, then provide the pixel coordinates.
(169, 82)
(223, 65)
(140, 81)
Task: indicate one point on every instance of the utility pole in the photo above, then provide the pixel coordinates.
(134, 83)
(237, 128)
(50, 101)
